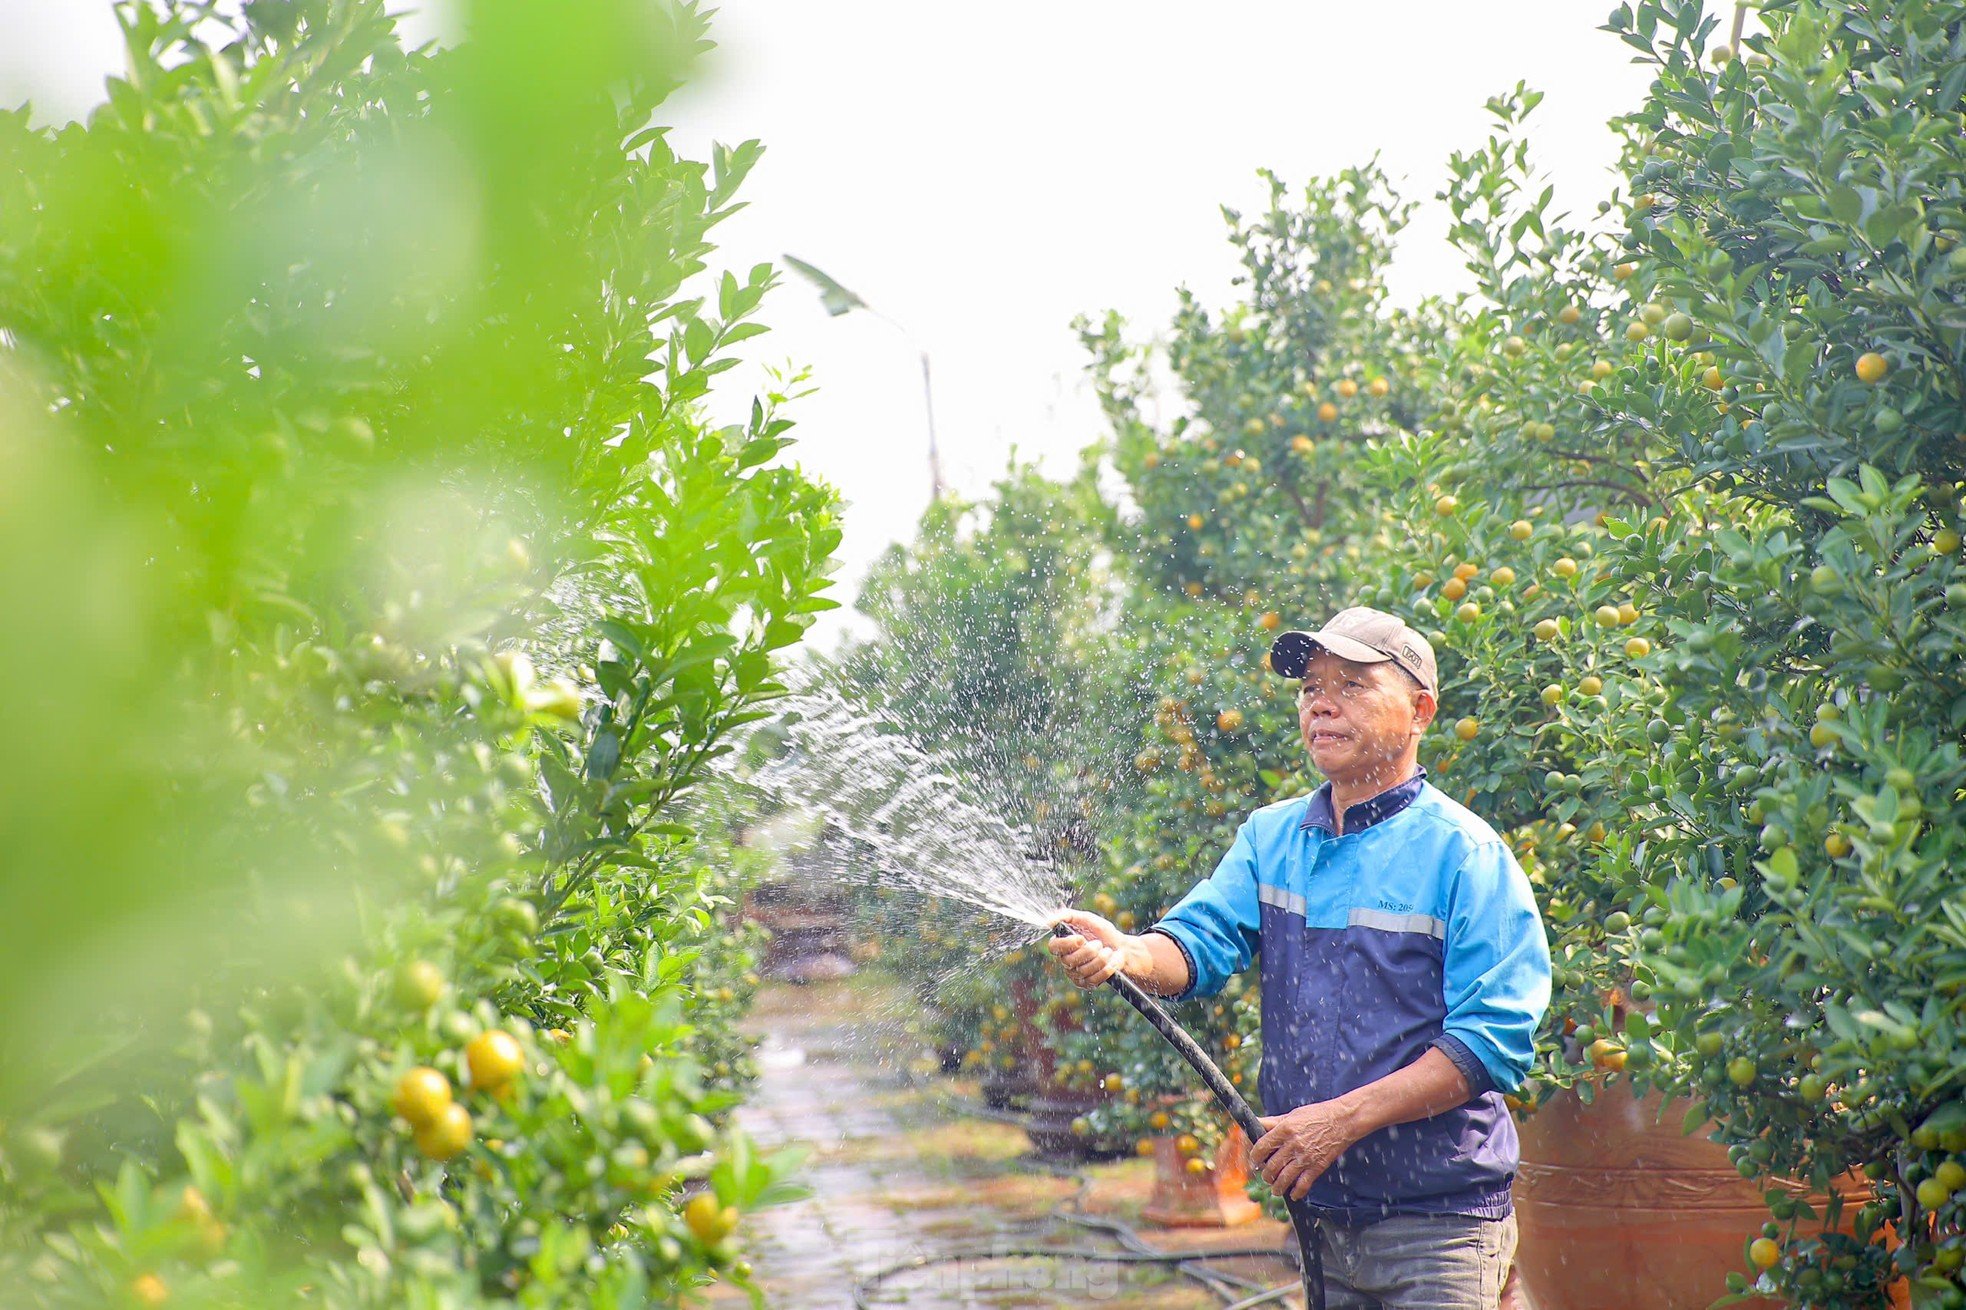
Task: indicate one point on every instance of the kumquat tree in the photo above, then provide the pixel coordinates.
(384, 590)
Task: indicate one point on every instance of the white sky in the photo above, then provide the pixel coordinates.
(984, 174)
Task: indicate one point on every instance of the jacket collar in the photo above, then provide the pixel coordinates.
(1374, 809)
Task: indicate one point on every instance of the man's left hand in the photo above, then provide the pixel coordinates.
(1296, 1148)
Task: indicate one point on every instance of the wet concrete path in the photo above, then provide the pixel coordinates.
(904, 1168)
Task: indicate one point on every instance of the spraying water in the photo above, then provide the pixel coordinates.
(906, 823)
(906, 817)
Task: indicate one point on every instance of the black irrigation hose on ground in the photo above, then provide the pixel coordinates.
(1236, 1292)
(1230, 1287)
(1301, 1222)
(999, 1252)
(1233, 1289)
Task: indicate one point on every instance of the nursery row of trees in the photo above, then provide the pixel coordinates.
(1676, 495)
(379, 593)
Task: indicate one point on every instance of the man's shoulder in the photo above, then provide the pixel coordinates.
(1466, 829)
(1276, 817)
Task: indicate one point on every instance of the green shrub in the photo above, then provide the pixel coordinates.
(1808, 207)
(343, 385)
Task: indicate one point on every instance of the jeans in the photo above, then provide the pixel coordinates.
(1417, 1262)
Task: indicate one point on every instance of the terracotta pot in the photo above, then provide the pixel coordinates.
(1049, 1117)
(1005, 1089)
(1214, 1198)
(1617, 1210)
(1055, 1104)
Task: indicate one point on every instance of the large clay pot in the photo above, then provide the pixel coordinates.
(1054, 1104)
(1009, 1088)
(1617, 1210)
(1050, 1114)
(809, 941)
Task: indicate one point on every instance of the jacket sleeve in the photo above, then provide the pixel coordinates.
(1495, 971)
(1216, 924)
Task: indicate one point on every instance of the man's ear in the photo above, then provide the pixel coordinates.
(1424, 709)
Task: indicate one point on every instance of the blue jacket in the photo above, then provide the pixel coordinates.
(1416, 928)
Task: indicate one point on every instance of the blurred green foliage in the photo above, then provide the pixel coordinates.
(377, 591)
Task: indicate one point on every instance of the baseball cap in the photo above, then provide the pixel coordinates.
(1364, 636)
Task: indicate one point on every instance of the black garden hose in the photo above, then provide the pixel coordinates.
(1311, 1259)
(1236, 1291)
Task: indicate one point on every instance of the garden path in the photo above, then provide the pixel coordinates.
(903, 1167)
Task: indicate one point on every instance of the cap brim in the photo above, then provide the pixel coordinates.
(1291, 652)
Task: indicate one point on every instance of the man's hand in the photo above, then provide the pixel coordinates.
(1095, 951)
(1296, 1148)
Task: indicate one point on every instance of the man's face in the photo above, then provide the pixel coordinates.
(1358, 720)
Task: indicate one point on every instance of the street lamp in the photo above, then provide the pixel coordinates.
(837, 300)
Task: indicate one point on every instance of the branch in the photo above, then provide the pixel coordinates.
(1303, 510)
(1585, 457)
(1637, 494)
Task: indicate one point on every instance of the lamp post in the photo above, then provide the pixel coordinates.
(837, 300)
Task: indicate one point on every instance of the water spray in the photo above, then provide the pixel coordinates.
(1311, 1259)
(874, 786)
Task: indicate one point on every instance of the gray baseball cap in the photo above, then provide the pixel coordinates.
(1364, 636)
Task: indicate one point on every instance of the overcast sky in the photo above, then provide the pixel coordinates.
(982, 174)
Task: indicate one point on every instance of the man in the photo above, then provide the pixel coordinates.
(1404, 972)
